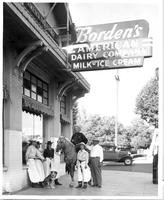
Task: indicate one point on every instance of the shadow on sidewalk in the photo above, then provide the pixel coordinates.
(115, 183)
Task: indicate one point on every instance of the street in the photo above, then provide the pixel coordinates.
(136, 167)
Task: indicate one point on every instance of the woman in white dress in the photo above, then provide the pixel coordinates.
(35, 160)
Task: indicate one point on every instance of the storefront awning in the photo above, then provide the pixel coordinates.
(33, 107)
(64, 119)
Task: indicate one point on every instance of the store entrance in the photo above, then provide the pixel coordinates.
(32, 129)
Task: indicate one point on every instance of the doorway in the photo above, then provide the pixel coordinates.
(32, 129)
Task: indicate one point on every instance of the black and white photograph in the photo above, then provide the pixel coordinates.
(82, 99)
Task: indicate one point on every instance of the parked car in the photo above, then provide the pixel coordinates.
(111, 153)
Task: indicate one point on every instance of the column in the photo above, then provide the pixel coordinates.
(52, 125)
(12, 114)
(12, 123)
(67, 130)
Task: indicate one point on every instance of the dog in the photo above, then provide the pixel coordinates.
(49, 181)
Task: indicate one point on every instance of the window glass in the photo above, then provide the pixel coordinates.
(45, 94)
(63, 105)
(27, 92)
(39, 98)
(39, 91)
(26, 84)
(45, 86)
(39, 84)
(33, 79)
(33, 95)
(32, 127)
(45, 101)
(35, 88)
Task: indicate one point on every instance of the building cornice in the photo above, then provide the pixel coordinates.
(31, 20)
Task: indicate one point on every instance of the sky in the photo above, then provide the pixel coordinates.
(102, 96)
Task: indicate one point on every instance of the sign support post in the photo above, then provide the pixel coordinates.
(117, 106)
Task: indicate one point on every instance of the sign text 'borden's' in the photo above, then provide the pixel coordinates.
(113, 31)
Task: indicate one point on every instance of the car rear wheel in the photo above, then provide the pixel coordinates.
(128, 161)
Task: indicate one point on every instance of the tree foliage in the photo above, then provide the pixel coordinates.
(140, 133)
(147, 102)
(104, 129)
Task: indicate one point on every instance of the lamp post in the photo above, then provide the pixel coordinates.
(117, 78)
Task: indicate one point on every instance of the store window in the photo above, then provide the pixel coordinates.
(63, 105)
(35, 88)
(32, 129)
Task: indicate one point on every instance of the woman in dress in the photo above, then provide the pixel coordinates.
(34, 161)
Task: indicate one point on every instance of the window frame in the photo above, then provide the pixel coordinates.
(42, 88)
(63, 105)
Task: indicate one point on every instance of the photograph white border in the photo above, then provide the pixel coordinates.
(161, 108)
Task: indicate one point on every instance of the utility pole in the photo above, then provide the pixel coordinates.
(117, 78)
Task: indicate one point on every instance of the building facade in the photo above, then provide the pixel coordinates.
(36, 80)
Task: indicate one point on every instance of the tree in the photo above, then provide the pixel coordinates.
(103, 128)
(147, 102)
(140, 133)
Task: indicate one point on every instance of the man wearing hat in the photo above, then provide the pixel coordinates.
(96, 159)
(83, 170)
(38, 145)
(49, 156)
(78, 137)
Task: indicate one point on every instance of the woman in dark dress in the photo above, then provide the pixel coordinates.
(49, 156)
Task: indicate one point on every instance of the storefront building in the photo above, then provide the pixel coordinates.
(36, 80)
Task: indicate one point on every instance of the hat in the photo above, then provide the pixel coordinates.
(38, 142)
(31, 141)
(82, 143)
(49, 142)
(95, 139)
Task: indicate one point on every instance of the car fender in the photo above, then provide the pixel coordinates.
(123, 158)
(138, 155)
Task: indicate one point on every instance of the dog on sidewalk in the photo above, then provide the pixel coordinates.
(49, 181)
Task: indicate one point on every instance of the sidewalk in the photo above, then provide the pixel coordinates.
(115, 183)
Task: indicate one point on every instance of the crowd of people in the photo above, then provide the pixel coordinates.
(88, 165)
(40, 165)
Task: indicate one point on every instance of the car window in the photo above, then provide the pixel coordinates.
(109, 149)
